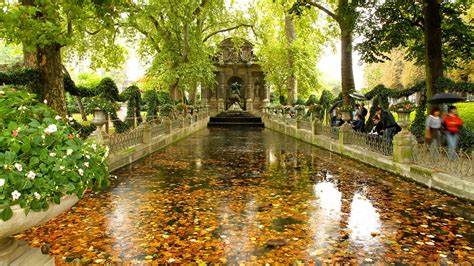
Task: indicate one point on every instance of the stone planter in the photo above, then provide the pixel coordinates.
(10, 249)
(403, 118)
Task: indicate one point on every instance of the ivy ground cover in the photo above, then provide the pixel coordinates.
(256, 197)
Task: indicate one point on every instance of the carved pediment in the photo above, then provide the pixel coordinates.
(230, 53)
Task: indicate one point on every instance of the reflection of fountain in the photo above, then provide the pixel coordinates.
(327, 212)
(363, 221)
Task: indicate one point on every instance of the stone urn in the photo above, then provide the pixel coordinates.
(403, 118)
(15, 252)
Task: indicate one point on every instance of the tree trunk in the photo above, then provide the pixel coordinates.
(49, 59)
(347, 76)
(81, 108)
(433, 54)
(292, 83)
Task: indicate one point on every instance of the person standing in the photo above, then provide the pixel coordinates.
(433, 128)
(453, 124)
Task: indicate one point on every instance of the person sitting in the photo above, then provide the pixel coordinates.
(359, 123)
(377, 129)
(363, 110)
(338, 121)
(390, 127)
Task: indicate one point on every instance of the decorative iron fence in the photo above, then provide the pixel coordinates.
(176, 124)
(125, 140)
(374, 143)
(439, 158)
(305, 124)
(158, 129)
(330, 132)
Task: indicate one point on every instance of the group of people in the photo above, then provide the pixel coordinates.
(449, 124)
(383, 123)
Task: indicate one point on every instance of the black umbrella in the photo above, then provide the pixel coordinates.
(443, 97)
(336, 104)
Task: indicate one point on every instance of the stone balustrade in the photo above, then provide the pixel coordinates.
(402, 156)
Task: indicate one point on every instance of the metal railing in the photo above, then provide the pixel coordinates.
(370, 142)
(177, 124)
(125, 140)
(330, 132)
(157, 129)
(440, 158)
(305, 124)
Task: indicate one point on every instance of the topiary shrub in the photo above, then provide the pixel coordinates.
(134, 98)
(41, 157)
(312, 100)
(466, 139)
(150, 99)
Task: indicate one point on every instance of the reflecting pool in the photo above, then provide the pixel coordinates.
(255, 197)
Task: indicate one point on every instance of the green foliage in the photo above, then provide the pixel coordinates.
(30, 78)
(150, 99)
(312, 100)
(466, 139)
(274, 49)
(134, 99)
(41, 158)
(83, 28)
(387, 25)
(326, 99)
(10, 54)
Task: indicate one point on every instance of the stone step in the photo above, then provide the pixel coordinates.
(235, 124)
(236, 119)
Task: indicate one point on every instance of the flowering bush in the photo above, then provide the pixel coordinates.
(41, 156)
(406, 106)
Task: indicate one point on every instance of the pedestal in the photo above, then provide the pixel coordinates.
(249, 105)
(220, 105)
(403, 144)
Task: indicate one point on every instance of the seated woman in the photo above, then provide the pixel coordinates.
(359, 123)
(336, 121)
(377, 129)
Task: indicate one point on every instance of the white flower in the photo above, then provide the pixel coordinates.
(31, 175)
(19, 167)
(70, 118)
(69, 151)
(37, 195)
(21, 108)
(94, 146)
(16, 195)
(87, 156)
(45, 101)
(81, 172)
(2, 182)
(61, 167)
(51, 129)
(58, 117)
(106, 151)
(86, 164)
(2, 92)
(43, 136)
(52, 154)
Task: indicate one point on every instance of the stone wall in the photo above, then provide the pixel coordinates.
(448, 182)
(150, 144)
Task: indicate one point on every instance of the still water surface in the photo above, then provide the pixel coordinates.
(255, 197)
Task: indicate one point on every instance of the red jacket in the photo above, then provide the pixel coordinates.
(452, 123)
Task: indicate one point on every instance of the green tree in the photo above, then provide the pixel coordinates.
(46, 29)
(289, 48)
(433, 33)
(181, 37)
(345, 14)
